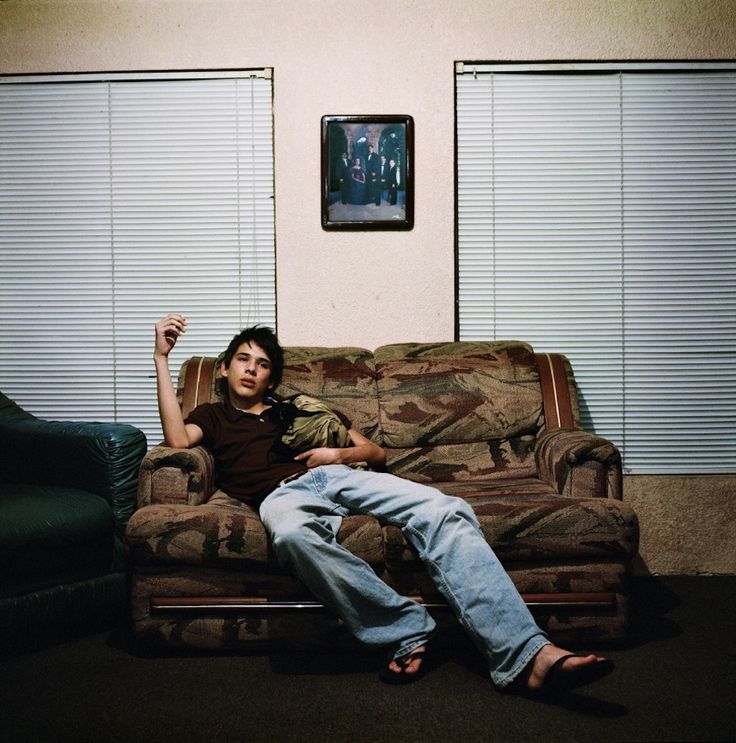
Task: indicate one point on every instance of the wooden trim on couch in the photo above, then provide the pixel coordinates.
(197, 382)
(555, 391)
(244, 603)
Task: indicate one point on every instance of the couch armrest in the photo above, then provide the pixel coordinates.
(101, 458)
(579, 464)
(184, 476)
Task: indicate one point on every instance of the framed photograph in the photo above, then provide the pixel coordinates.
(367, 179)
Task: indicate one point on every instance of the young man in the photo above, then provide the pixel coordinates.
(302, 501)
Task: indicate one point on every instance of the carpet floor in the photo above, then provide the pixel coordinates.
(674, 681)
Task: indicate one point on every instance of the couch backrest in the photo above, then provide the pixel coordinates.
(343, 378)
(444, 411)
(454, 411)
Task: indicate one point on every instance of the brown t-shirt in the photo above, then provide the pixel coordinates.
(248, 459)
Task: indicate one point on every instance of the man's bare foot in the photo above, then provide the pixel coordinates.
(406, 668)
(556, 670)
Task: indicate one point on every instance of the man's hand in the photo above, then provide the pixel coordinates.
(318, 457)
(362, 450)
(168, 331)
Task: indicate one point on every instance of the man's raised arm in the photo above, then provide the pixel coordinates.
(176, 433)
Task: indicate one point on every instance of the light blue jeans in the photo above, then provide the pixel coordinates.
(302, 518)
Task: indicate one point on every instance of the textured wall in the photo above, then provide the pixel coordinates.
(387, 56)
(688, 524)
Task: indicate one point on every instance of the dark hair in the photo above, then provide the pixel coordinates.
(267, 340)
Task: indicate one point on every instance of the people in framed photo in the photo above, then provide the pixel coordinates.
(367, 179)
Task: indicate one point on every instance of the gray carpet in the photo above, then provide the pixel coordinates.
(674, 682)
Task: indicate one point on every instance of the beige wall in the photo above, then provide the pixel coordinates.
(351, 57)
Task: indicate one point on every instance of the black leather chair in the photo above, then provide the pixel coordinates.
(67, 490)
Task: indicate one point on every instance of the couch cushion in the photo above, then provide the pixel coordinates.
(51, 535)
(342, 378)
(496, 459)
(457, 393)
(223, 533)
(524, 520)
(459, 411)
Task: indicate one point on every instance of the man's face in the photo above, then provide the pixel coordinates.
(248, 376)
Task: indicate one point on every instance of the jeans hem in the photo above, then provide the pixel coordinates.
(503, 680)
(401, 652)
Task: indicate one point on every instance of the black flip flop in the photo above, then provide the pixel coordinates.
(558, 681)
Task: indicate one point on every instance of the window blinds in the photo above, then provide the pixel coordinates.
(679, 173)
(596, 216)
(120, 200)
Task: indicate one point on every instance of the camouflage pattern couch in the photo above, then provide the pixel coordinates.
(491, 422)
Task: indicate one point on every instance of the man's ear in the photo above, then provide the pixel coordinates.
(223, 369)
